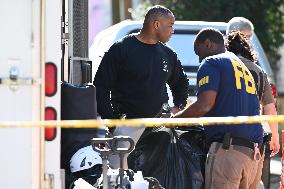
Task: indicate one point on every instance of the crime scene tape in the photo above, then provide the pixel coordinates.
(147, 122)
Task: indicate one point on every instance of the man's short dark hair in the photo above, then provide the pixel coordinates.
(155, 12)
(212, 34)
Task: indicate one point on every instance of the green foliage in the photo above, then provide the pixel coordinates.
(140, 12)
(266, 15)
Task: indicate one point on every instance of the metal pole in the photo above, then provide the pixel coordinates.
(42, 105)
(70, 41)
(115, 12)
(121, 171)
(105, 178)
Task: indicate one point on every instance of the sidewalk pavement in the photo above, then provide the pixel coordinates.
(275, 170)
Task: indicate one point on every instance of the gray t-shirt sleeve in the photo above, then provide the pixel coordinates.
(267, 96)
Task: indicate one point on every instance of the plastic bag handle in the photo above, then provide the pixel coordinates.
(117, 139)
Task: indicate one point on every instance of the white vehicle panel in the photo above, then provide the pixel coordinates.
(53, 54)
(20, 146)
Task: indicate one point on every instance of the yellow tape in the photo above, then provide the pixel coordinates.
(148, 122)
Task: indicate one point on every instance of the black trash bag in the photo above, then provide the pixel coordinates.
(165, 154)
(195, 136)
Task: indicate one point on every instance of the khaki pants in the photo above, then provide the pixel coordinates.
(232, 169)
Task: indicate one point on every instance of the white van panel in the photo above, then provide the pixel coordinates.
(19, 160)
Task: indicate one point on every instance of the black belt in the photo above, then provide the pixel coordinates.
(239, 142)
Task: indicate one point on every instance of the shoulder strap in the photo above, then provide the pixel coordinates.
(261, 85)
(257, 85)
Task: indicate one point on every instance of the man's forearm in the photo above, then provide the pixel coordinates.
(269, 109)
(205, 102)
(196, 109)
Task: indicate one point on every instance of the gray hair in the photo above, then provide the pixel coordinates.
(239, 24)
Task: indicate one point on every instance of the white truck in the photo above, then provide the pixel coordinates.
(35, 45)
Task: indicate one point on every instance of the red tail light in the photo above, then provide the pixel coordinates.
(50, 79)
(274, 93)
(50, 114)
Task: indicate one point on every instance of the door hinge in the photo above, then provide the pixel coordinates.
(19, 81)
(49, 181)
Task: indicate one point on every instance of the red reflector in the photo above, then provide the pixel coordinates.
(50, 114)
(50, 79)
(274, 93)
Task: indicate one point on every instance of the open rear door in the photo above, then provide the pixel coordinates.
(20, 93)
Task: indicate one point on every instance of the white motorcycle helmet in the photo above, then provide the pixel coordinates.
(84, 158)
